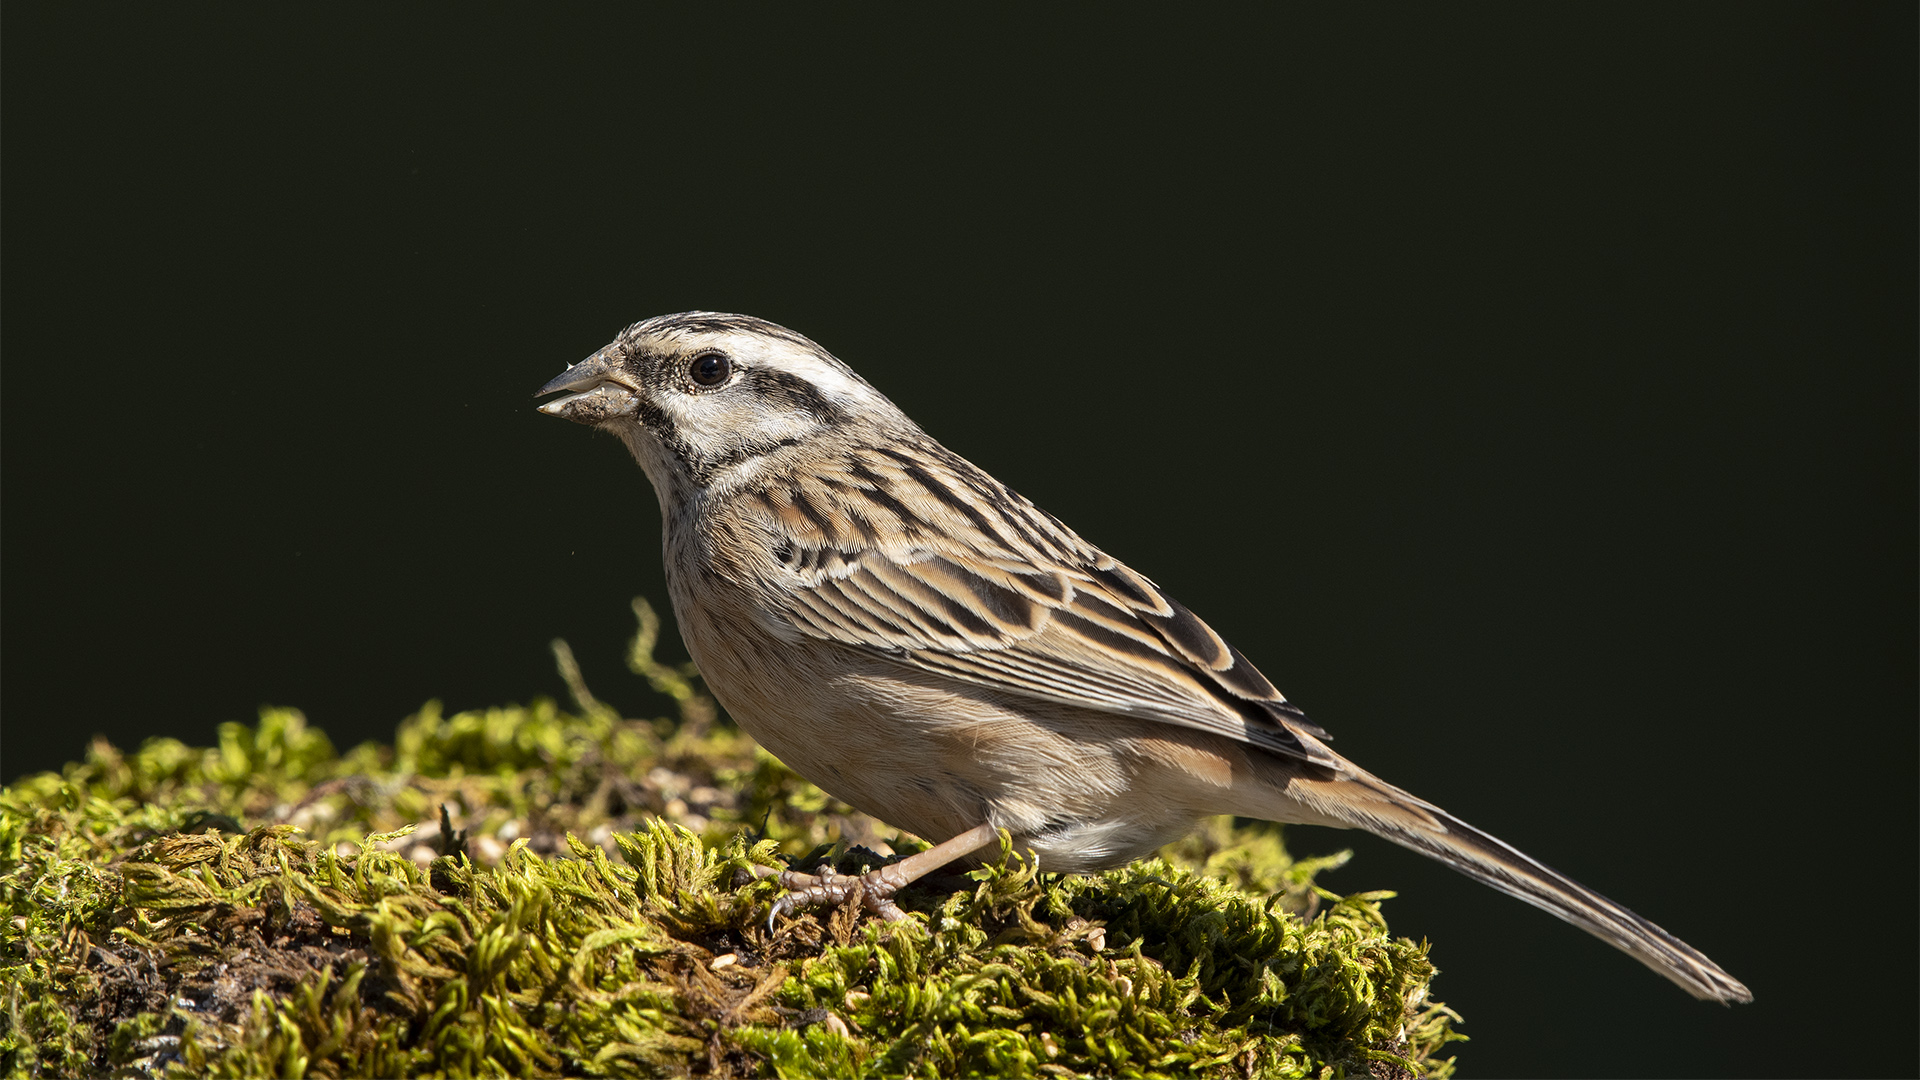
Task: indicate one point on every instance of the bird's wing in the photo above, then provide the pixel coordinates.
(919, 556)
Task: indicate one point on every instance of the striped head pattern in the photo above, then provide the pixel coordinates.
(703, 397)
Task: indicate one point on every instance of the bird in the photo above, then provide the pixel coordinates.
(923, 643)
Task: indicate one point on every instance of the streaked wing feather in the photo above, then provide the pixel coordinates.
(926, 560)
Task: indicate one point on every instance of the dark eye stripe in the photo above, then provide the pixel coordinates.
(793, 392)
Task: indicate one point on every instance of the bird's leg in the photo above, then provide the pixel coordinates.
(826, 886)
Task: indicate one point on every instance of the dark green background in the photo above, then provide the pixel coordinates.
(1530, 392)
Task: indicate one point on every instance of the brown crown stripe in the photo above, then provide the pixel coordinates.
(720, 322)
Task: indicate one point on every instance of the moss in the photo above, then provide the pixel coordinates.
(268, 906)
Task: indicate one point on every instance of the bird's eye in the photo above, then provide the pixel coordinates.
(710, 369)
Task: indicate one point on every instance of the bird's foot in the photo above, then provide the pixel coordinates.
(828, 887)
(876, 887)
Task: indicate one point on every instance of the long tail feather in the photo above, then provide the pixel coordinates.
(1360, 800)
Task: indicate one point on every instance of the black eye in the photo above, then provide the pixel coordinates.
(711, 369)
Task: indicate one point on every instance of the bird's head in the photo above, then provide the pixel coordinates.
(703, 397)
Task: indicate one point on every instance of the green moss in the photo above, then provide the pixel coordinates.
(269, 906)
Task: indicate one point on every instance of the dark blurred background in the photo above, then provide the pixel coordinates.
(1529, 390)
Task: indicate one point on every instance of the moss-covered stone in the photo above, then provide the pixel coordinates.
(530, 891)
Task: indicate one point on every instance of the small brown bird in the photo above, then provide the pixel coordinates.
(917, 639)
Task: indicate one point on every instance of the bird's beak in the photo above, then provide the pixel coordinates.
(596, 392)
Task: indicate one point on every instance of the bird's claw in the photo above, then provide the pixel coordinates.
(829, 887)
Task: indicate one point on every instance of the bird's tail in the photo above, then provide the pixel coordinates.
(1358, 799)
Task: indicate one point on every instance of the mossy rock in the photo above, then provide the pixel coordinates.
(269, 907)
